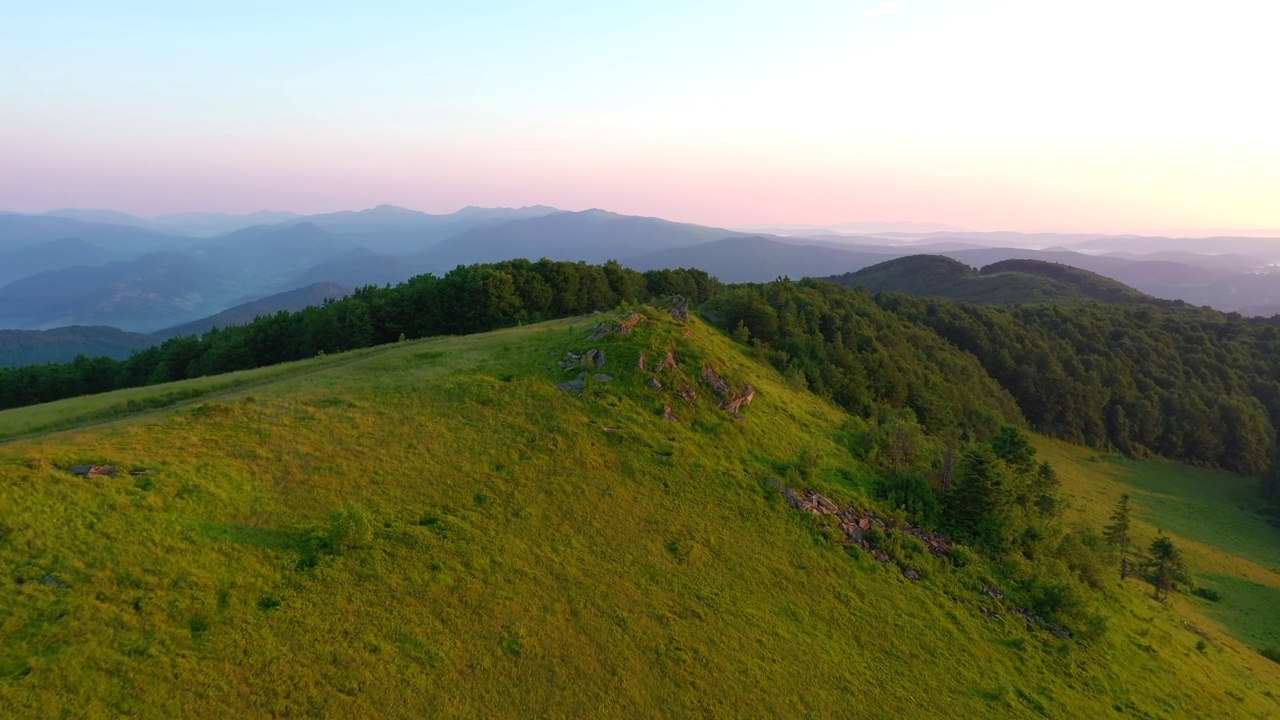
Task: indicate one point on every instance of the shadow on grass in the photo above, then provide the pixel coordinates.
(1210, 507)
(1247, 609)
(308, 543)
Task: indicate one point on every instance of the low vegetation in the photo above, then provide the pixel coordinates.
(433, 527)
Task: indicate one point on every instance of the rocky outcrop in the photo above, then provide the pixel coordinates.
(731, 400)
(716, 382)
(679, 309)
(669, 361)
(734, 403)
(667, 414)
(622, 327)
(595, 358)
(854, 523)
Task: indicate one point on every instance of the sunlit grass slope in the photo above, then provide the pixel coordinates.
(534, 553)
(1212, 517)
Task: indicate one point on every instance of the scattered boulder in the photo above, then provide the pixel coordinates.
(630, 322)
(811, 501)
(670, 361)
(574, 386)
(595, 357)
(687, 393)
(52, 581)
(911, 575)
(640, 363)
(716, 382)
(622, 327)
(655, 383)
(734, 403)
(880, 555)
(667, 414)
(602, 378)
(92, 471)
(679, 309)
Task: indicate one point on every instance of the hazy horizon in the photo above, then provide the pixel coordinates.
(992, 115)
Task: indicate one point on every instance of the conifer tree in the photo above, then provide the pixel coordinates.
(1117, 533)
(1165, 565)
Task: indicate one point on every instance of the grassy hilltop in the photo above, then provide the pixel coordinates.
(432, 528)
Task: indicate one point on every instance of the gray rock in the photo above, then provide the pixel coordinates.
(572, 386)
(602, 378)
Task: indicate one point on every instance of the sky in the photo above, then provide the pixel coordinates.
(1115, 116)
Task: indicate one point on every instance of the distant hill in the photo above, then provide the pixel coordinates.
(1008, 282)
(195, 224)
(356, 268)
(292, 301)
(17, 231)
(394, 230)
(204, 224)
(154, 291)
(1261, 310)
(267, 255)
(106, 217)
(49, 255)
(756, 259)
(590, 235)
(60, 345)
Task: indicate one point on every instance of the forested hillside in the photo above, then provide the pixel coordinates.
(1190, 384)
(1008, 282)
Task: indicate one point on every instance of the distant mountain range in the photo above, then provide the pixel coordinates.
(99, 267)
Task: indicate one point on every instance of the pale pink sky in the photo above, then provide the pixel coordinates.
(1070, 116)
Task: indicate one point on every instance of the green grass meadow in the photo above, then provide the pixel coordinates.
(536, 553)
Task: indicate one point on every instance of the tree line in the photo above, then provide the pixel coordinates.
(467, 299)
(1189, 384)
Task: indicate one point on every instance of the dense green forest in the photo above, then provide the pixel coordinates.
(1190, 384)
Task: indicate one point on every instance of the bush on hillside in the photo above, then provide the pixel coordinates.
(349, 528)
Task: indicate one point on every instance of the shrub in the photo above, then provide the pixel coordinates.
(349, 528)
(911, 493)
(1271, 653)
(961, 556)
(1207, 593)
(874, 537)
